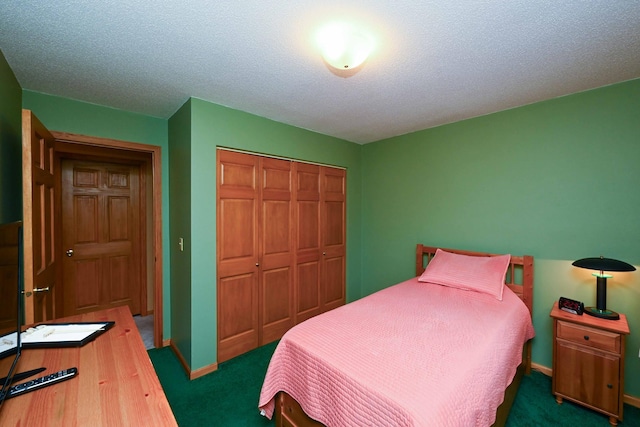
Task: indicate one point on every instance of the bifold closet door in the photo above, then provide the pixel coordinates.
(333, 240)
(308, 299)
(320, 215)
(280, 247)
(237, 248)
(276, 254)
(255, 257)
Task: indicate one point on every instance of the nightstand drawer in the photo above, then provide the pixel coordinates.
(587, 336)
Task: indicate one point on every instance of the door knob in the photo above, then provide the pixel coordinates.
(69, 252)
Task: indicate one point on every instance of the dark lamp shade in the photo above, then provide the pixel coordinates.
(603, 264)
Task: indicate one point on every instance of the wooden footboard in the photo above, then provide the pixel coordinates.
(289, 413)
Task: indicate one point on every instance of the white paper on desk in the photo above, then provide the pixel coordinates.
(8, 342)
(61, 333)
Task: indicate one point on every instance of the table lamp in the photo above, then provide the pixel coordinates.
(602, 264)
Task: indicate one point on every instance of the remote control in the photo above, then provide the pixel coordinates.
(41, 382)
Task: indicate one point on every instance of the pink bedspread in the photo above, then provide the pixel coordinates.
(414, 354)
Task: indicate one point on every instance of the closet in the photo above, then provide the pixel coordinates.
(280, 247)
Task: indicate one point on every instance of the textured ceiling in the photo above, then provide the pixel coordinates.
(436, 62)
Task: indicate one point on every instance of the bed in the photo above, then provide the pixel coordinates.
(448, 347)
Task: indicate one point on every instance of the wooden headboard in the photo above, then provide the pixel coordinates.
(519, 275)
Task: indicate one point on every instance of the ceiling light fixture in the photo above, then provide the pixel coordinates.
(344, 46)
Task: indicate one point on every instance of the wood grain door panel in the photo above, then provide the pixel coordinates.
(276, 313)
(237, 253)
(9, 249)
(237, 238)
(308, 301)
(101, 236)
(333, 287)
(276, 254)
(87, 270)
(38, 204)
(333, 229)
(585, 367)
(238, 315)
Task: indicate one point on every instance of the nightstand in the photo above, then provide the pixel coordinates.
(588, 361)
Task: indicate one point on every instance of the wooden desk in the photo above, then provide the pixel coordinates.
(116, 383)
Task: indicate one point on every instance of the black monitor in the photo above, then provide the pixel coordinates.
(11, 248)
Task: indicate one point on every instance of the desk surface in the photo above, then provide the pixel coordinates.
(116, 382)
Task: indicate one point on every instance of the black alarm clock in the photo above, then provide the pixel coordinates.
(571, 306)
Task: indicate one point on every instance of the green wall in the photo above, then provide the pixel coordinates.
(67, 115)
(10, 144)
(180, 220)
(558, 180)
(216, 126)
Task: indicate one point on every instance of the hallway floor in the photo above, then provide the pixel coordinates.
(145, 326)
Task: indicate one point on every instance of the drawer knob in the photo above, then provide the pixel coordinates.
(586, 337)
(609, 385)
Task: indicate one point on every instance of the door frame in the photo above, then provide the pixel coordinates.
(150, 156)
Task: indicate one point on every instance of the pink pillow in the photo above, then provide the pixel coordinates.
(471, 273)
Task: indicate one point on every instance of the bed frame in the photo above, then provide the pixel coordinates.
(289, 413)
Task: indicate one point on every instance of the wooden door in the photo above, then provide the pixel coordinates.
(275, 244)
(101, 236)
(589, 376)
(9, 266)
(237, 252)
(38, 218)
(307, 238)
(333, 237)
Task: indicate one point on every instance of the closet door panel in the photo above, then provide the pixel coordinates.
(334, 198)
(308, 298)
(308, 231)
(237, 315)
(333, 221)
(276, 254)
(276, 230)
(237, 253)
(236, 237)
(237, 211)
(307, 248)
(333, 228)
(333, 294)
(276, 312)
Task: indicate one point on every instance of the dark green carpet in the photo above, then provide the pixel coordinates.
(229, 396)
